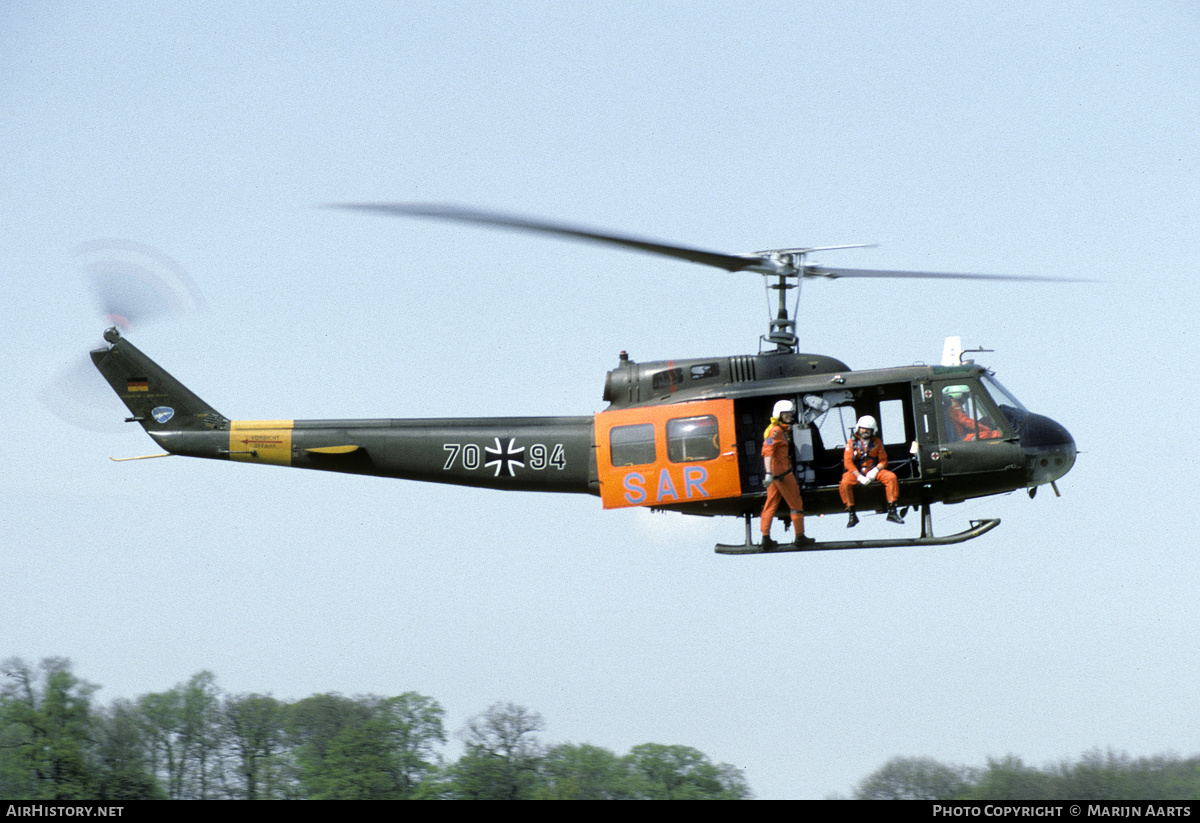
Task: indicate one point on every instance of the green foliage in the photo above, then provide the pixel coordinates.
(584, 772)
(123, 766)
(650, 771)
(366, 748)
(183, 737)
(682, 773)
(1111, 776)
(502, 757)
(1011, 779)
(193, 742)
(414, 726)
(1095, 776)
(914, 778)
(47, 730)
(254, 731)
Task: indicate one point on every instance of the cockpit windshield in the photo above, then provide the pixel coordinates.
(1010, 406)
(1001, 395)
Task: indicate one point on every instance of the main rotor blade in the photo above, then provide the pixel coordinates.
(833, 274)
(729, 262)
(769, 263)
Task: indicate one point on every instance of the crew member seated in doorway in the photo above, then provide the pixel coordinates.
(866, 463)
(780, 479)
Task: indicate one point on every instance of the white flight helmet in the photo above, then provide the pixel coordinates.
(867, 422)
(781, 407)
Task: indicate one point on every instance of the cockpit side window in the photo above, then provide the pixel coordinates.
(965, 417)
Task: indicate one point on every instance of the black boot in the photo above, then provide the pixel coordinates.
(853, 521)
(768, 544)
(893, 515)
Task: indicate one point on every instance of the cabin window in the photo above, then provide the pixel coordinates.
(836, 426)
(704, 371)
(891, 422)
(632, 445)
(692, 438)
(666, 380)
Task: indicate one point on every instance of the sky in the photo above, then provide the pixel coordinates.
(1054, 140)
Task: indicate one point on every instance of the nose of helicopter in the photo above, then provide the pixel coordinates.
(1049, 449)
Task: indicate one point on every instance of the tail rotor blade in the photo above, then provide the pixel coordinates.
(133, 284)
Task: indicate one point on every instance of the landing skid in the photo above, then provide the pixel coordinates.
(978, 527)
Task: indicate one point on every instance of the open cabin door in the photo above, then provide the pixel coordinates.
(664, 455)
(826, 422)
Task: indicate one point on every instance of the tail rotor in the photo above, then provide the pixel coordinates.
(132, 284)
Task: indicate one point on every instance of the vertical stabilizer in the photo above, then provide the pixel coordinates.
(156, 399)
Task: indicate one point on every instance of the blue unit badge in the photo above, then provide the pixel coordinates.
(163, 413)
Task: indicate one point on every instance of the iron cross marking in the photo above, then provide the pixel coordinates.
(505, 457)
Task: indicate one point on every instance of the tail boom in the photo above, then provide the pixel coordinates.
(515, 453)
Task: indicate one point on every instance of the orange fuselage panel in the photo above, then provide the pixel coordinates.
(661, 455)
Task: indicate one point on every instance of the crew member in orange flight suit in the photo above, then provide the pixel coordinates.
(780, 477)
(866, 462)
(968, 428)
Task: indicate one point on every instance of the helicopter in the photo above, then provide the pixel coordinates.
(677, 435)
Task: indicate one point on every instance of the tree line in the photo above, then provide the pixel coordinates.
(196, 742)
(1094, 776)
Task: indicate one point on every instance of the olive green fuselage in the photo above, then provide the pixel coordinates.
(680, 435)
(522, 454)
